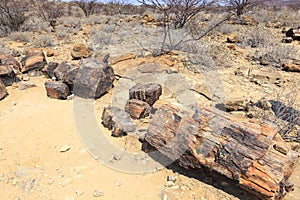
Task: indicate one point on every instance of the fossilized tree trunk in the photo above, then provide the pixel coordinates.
(246, 151)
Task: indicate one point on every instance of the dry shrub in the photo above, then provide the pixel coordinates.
(44, 41)
(20, 36)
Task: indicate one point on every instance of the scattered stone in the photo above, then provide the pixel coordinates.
(171, 178)
(264, 104)
(64, 148)
(25, 77)
(70, 97)
(7, 59)
(49, 69)
(291, 67)
(94, 79)
(233, 105)
(7, 75)
(137, 108)
(33, 62)
(61, 70)
(66, 182)
(98, 193)
(127, 56)
(80, 51)
(149, 92)
(233, 38)
(25, 85)
(50, 53)
(57, 90)
(287, 40)
(3, 91)
(79, 192)
(34, 73)
(169, 184)
(117, 120)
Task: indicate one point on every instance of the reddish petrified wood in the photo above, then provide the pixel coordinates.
(246, 151)
(149, 92)
(137, 108)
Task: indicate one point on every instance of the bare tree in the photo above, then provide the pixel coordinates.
(242, 5)
(87, 6)
(12, 14)
(183, 10)
(49, 10)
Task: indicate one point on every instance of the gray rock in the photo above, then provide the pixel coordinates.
(3, 91)
(57, 90)
(7, 75)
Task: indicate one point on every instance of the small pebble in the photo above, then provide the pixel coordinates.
(65, 148)
(79, 192)
(66, 181)
(171, 178)
(169, 184)
(14, 103)
(98, 193)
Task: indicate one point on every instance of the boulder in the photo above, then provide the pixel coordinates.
(137, 108)
(7, 75)
(117, 120)
(57, 90)
(149, 92)
(79, 51)
(61, 70)
(291, 67)
(3, 91)
(70, 77)
(93, 79)
(33, 62)
(7, 59)
(49, 69)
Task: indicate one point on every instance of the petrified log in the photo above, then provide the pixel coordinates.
(49, 69)
(117, 120)
(247, 151)
(57, 90)
(137, 108)
(149, 92)
(93, 79)
(33, 62)
(61, 70)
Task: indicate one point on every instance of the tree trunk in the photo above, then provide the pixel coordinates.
(246, 151)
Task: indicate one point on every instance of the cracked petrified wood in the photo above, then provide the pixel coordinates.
(247, 151)
(148, 92)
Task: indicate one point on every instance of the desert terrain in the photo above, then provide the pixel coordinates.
(46, 152)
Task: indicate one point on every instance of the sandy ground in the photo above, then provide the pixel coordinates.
(34, 130)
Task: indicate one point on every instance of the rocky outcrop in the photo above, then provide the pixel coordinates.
(57, 90)
(149, 92)
(3, 91)
(137, 108)
(93, 79)
(117, 120)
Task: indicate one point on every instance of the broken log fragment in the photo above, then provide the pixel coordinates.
(246, 151)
